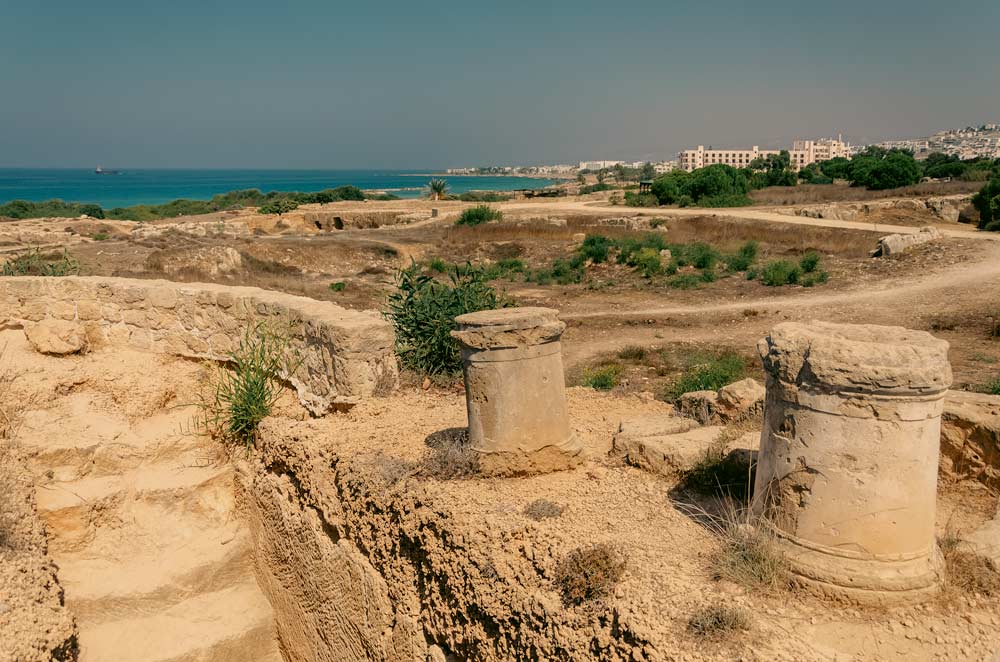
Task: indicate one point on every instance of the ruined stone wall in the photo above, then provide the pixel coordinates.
(361, 566)
(946, 208)
(343, 355)
(35, 626)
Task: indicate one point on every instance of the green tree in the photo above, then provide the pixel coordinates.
(772, 170)
(581, 178)
(602, 174)
(836, 168)
(647, 172)
(670, 187)
(279, 206)
(619, 173)
(878, 169)
(437, 189)
(717, 182)
(987, 203)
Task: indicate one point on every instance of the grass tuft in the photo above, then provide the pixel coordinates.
(719, 620)
(632, 353)
(710, 374)
(603, 378)
(540, 509)
(450, 456)
(34, 263)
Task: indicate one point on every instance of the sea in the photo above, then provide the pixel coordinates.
(156, 186)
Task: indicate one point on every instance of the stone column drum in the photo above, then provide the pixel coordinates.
(515, 390)
(848, 462)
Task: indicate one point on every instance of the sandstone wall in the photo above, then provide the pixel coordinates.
(344, 355)
(947, 208)
(360, 567)
(35, 626)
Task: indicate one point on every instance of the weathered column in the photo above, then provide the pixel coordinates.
(848, 459)
(515, 390)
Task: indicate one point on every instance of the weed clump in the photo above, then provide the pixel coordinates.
(589, 573)
(993, 387)
(241, 396)
(749, 553)
(809, 262)
(422, 311)
(710, 374)
(966, 572)
(450, 455)
(478, 215)
(632, 353)
(721, 473)
(719, 620)
(34, 263)
(339, 286)
(603, 378)
(540, 509)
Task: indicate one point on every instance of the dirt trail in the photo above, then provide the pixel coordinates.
(154, 561)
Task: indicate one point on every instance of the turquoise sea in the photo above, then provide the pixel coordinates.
(135, 187)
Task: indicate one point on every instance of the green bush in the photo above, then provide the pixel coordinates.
(437, 264)
(993, 388)
(595, 188)
(701, 255)
(100, 236)
(879, 169)
(563, 272)
(684, 282)
(478, 215)
(717, 201)
(603, 378)
(595, 248)
(339, 286)
(809, 262)
(647, 262)
(710, 374)
(708, 276)
(511, 265)
(986, 202)
(778, 273)
(482, 196)
(814, 278)
(279, 206)
(240, 396)
(423, 310)
(744, 258)
(633, 199)
(34, 263)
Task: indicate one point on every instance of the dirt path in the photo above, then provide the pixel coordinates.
(153, 558)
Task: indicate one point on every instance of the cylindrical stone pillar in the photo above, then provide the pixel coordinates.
(847, 470)
(515, 390)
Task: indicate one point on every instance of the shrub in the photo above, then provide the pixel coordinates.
(719, 620)
(540, 509)
(744, 258)
(779, 272)
(438, 265)
(478, 215)
(279, 206)
(633, 199)
(711, 374)
(748, 554)
(482, 196)
(100, 236)
(562, 272)
(450, 455)
(647, 262)
(717, 201)
(815, 278)
(721, 473)
(589, 573)
(241, 395)
(511, 265)
(987, 203)
(595, 188)
(708, 276)
(595, 248)
(699, 255)
(684, 282)
(993, 388)
(603, 378)
(632, 353)
(34, 263)
(339, 286)
(423, 310)
(809, 262)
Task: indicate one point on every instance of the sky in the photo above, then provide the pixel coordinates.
(392, 84)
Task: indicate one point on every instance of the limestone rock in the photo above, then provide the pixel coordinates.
(207, 260)
(579, 237)
(970, 437)
(58, 337)
(985, 541)
(740, 399)
(894, 244)
(665, 445)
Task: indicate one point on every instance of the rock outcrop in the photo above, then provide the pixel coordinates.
(894, 244)
(970, 438)
(946, 208)
(729, 404)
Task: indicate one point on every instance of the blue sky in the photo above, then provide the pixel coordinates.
(326, 84)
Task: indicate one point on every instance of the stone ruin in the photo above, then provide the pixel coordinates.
(515, 390)
(848, 463)
(894, 244)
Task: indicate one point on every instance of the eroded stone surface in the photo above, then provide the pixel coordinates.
(894, 244)
(515, 390)
(970, 437)
(343, 355)
(849, 454)
(57, 337)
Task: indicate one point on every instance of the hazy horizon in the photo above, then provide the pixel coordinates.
(253, 85)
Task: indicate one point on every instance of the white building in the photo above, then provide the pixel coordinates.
(598, 165)
(803, 153)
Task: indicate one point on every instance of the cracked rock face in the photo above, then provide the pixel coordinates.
(849, 456)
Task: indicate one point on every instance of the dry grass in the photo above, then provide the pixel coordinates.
(967, 573)
(717, 621)
(449, 455)
(818, 193)
(728, 234)
(589, 573)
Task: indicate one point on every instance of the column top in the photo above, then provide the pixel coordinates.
(857, 357)
(508, 327)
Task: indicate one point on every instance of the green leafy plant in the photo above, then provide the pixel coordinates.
(423, 310)
(814, 278)
(437, 264)
(710, 373)
(478, 215)
(437, 189)
(809, 262)
(339, 286)
(684, 281)
(595, 248)
(744, 258)
(239, 396)
(279, 206)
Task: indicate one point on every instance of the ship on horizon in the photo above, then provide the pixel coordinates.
(101, 171)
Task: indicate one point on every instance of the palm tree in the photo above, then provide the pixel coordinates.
(437, 188)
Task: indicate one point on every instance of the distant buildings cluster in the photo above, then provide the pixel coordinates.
(968, 143)
(802, 153)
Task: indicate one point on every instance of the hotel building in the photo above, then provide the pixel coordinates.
(803, 153)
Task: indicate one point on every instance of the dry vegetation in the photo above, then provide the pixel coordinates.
(717, 621)
(589, 573)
